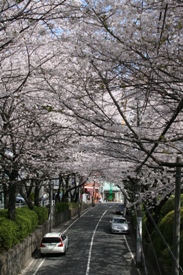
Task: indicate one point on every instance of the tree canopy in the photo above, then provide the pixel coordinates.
(91, 86)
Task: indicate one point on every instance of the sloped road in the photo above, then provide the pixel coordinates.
(93, 250)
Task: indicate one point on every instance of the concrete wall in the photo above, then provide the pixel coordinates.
(15, 259)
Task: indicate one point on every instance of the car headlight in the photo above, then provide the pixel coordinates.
(125, 227)
(114, 226)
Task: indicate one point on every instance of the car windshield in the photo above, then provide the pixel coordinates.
(119, 220)
(51, 240)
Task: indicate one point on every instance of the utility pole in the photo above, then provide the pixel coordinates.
(51, 202)
(176, 229)
(125, 205)
(139, 236)
(79, 202)
(93, 195)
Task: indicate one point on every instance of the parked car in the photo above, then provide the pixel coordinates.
(54, 242)
(20, 199)
(120, 209)
(119, 224)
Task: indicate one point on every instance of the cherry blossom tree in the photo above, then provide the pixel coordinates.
(29, 143)
(100, 80)
(128, 70)
(126, 80)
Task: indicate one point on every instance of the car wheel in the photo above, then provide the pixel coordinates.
(65, 251)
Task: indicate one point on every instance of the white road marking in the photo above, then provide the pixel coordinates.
(90, 250)
(131, 253)
(76, 220)
(41, 263)
(27, 267)
(91, 245)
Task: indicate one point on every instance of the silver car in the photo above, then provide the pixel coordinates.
(54, 243)
(119, 224)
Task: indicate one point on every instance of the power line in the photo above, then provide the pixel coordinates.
(163, 239)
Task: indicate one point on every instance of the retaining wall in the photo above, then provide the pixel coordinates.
(15, 259)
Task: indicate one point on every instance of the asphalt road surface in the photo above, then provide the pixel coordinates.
(93, 250)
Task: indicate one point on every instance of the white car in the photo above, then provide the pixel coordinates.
(119, 224)
(20, 199)
(54, 243)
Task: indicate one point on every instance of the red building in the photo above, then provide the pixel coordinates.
(93, 191)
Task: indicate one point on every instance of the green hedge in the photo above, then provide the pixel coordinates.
(169, 205)
(63, 206)
(166, 229)
(8, 234)
(73, 205)
(13, 232)
(27, 221)
(42, 213)
(3, 213)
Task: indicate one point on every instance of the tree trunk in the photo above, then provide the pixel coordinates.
(57, 197)
(12, 202)
(36, 193)
(27, 197)
(6, 200)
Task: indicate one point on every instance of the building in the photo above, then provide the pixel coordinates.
(111, 192)
(107, 191)
(92, 192)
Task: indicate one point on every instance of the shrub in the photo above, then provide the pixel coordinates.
(73, 205)
(166, 228)
(169, 205)
(42, 214)
(13, 232)
(61, 206)
(8, 237)
(3, 213)
(27, 221)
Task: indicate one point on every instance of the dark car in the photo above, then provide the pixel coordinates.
(120, 209)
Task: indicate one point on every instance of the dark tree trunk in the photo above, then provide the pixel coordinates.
(6, 200)
(66, 193)
(36, 193)
(57, 197)
(12, 202)
(65, 196)
(29, 203)
(27, 196)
